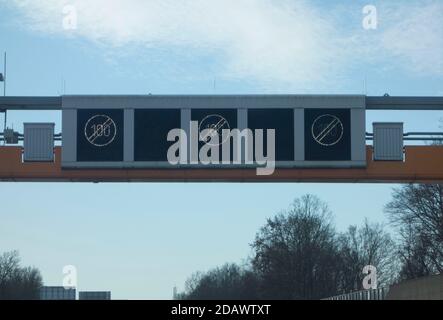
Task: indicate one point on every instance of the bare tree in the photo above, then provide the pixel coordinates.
(299, 255)
(17, 283)
(296, 254)
(368, 245)
(416, 211)
(414, 254)
(229, 282)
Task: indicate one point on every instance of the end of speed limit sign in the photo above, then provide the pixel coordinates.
(100, 130)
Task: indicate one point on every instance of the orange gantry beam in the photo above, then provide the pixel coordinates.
(422, 164)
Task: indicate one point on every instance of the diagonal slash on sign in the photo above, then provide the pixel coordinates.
(94, 135)
(214, 131)
(331, 126)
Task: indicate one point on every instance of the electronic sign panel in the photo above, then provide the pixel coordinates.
(282, 121)
(123, 132)
(100, 135)
(151, 127)
(328, 134)
(216, 120)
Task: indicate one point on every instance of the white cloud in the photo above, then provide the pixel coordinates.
(414, 35)
(271, 41)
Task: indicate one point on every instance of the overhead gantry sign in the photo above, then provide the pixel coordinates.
(274, 138)
(132, 132)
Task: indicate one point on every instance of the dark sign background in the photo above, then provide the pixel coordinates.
(282, 120)
(151, 127)
(97, 150)
(331, 140)
(327, 132)
(229, 114)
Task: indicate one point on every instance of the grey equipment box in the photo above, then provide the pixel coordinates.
(388, 141)
(38, 142)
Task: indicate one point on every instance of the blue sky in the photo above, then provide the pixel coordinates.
(139, 240)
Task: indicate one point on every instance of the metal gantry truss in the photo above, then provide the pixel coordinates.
(422, 163)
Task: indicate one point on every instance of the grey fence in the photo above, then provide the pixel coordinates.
(377, 294)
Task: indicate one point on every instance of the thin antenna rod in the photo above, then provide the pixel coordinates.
(366, 85)
(4, 73)
(4, 94)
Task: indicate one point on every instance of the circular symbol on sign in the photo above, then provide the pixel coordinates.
(100, 130)
(216, 124)
(327, 130)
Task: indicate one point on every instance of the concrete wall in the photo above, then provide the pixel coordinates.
(429, 288)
